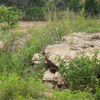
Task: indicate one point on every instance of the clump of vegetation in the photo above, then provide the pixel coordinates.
(14, 87)
(71, 23)
(92, 8)
(81, 72)
(35, 13)
(10, 15)
(73, 95)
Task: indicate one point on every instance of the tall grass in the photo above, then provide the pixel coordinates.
(75, 23)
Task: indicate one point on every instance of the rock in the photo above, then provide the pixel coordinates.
(1, 44)
(48, 76)
(76, 43)
(59, 79)
(55, 78)
(95, 36)
(51, 52)
(36, 59)
(48, 94)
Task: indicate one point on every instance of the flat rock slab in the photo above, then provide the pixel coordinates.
(72, 45)
(51, 52)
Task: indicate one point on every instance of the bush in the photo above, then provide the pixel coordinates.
(92, 7)
(12, 86)
(97, 94)
(81, 72)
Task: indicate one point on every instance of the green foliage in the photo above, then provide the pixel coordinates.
(12, 86)
(75, 95)
(38, 3)
(81, 72)
(9, 15)
(3, 11)
(35, 13)
(73, 4)
(19, 79)
(4, 1)
(71, 23)
(97, 94)
(17, 58)
(92, 7)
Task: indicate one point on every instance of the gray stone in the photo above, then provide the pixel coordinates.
(36, 59)
(51, 52)
(55, 78)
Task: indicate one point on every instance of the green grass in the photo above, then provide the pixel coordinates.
(14, 87)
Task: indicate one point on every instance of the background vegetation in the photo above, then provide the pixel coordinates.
(35, 9)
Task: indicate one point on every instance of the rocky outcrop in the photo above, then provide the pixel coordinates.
(72, 45)
(52, 52)
(53, 78)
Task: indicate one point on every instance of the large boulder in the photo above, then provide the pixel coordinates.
(76, 44)
(72, 45)
(53, 52)
(55, 78)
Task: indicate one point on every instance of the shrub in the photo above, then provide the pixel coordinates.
(12, 86)
(81, 72)
(97, 94)
(10, 15)
(92, 7)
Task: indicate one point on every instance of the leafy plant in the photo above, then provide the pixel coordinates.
(81, 72)
(97, 94)
(69, 95)
(10, 15)
(12, 86)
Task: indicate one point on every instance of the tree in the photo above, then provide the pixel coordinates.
(4, 2)
(10, 15)
(92, 7)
